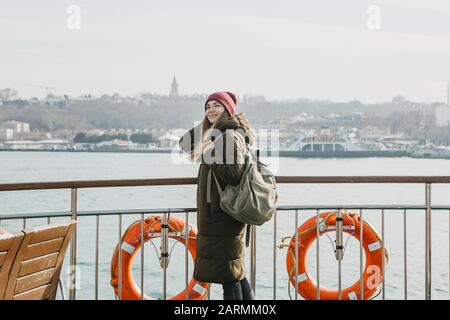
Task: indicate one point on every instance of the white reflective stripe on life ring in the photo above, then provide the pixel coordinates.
(352, 295)
(374, 246)
(198, 288)
(128, 247)
(302, 277)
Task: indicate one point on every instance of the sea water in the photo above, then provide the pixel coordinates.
(270, 266)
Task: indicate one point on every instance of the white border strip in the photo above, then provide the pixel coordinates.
(302, 277)
(198, 288)
(374, 246)
(128, 247)
(352, 295)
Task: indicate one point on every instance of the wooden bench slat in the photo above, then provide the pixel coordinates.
(43, 234)
(38, 264)
(5, 244)
(7, 260)
(2, 258)
(43, 248)
(40, 293)
(34, 280)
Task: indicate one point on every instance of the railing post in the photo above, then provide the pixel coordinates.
(142, 255)
(253, 257)
(274, 253)
(120, 257)
(405, 256)
(361, 251)
(317, 253)
(383, 256)
(97, 235)
(339, 250)
(73, 247)
(296, 255)
(428, 242)
(186, 256)
(164, 251)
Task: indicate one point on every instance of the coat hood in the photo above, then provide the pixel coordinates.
(238, 121)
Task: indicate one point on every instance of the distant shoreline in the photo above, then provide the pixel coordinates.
(95, 151)
(281, 154)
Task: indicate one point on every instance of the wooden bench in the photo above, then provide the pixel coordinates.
(9, 245)
(37, 265)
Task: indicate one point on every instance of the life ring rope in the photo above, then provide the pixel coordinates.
(322, 221)
(179, 235)
(179, 231)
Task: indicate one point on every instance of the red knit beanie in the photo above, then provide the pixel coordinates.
(227, 99)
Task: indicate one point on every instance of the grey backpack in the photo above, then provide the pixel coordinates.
(254, 200)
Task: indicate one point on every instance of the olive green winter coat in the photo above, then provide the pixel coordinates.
(220, 247)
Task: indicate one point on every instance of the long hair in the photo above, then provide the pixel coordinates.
(206, 125)
(205, 131)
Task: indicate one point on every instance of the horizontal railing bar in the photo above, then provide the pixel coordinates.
(363, 179)
(96, 184)
(353, 207)
(189, 181)
(95, 213)
(184, 210)
(137, 211)
(35, 215)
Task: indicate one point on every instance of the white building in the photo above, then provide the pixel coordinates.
(168, 140)
(442, 115)
(17, 126)
(6, 134)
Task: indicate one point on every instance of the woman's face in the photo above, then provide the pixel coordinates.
(214, 110)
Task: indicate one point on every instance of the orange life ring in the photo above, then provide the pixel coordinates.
(373, 271)
(131, 243)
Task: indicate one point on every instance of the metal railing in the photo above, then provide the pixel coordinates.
(75, 214)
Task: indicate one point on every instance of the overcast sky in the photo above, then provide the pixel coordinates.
(280, 49)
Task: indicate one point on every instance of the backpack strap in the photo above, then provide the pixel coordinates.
(219, 188)
(208, 187)
(248, 231)
(247, 146)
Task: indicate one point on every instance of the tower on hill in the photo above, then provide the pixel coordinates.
(174, 87)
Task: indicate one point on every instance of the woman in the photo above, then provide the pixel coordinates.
(220, 248)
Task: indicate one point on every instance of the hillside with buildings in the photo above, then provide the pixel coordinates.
(156, 120)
